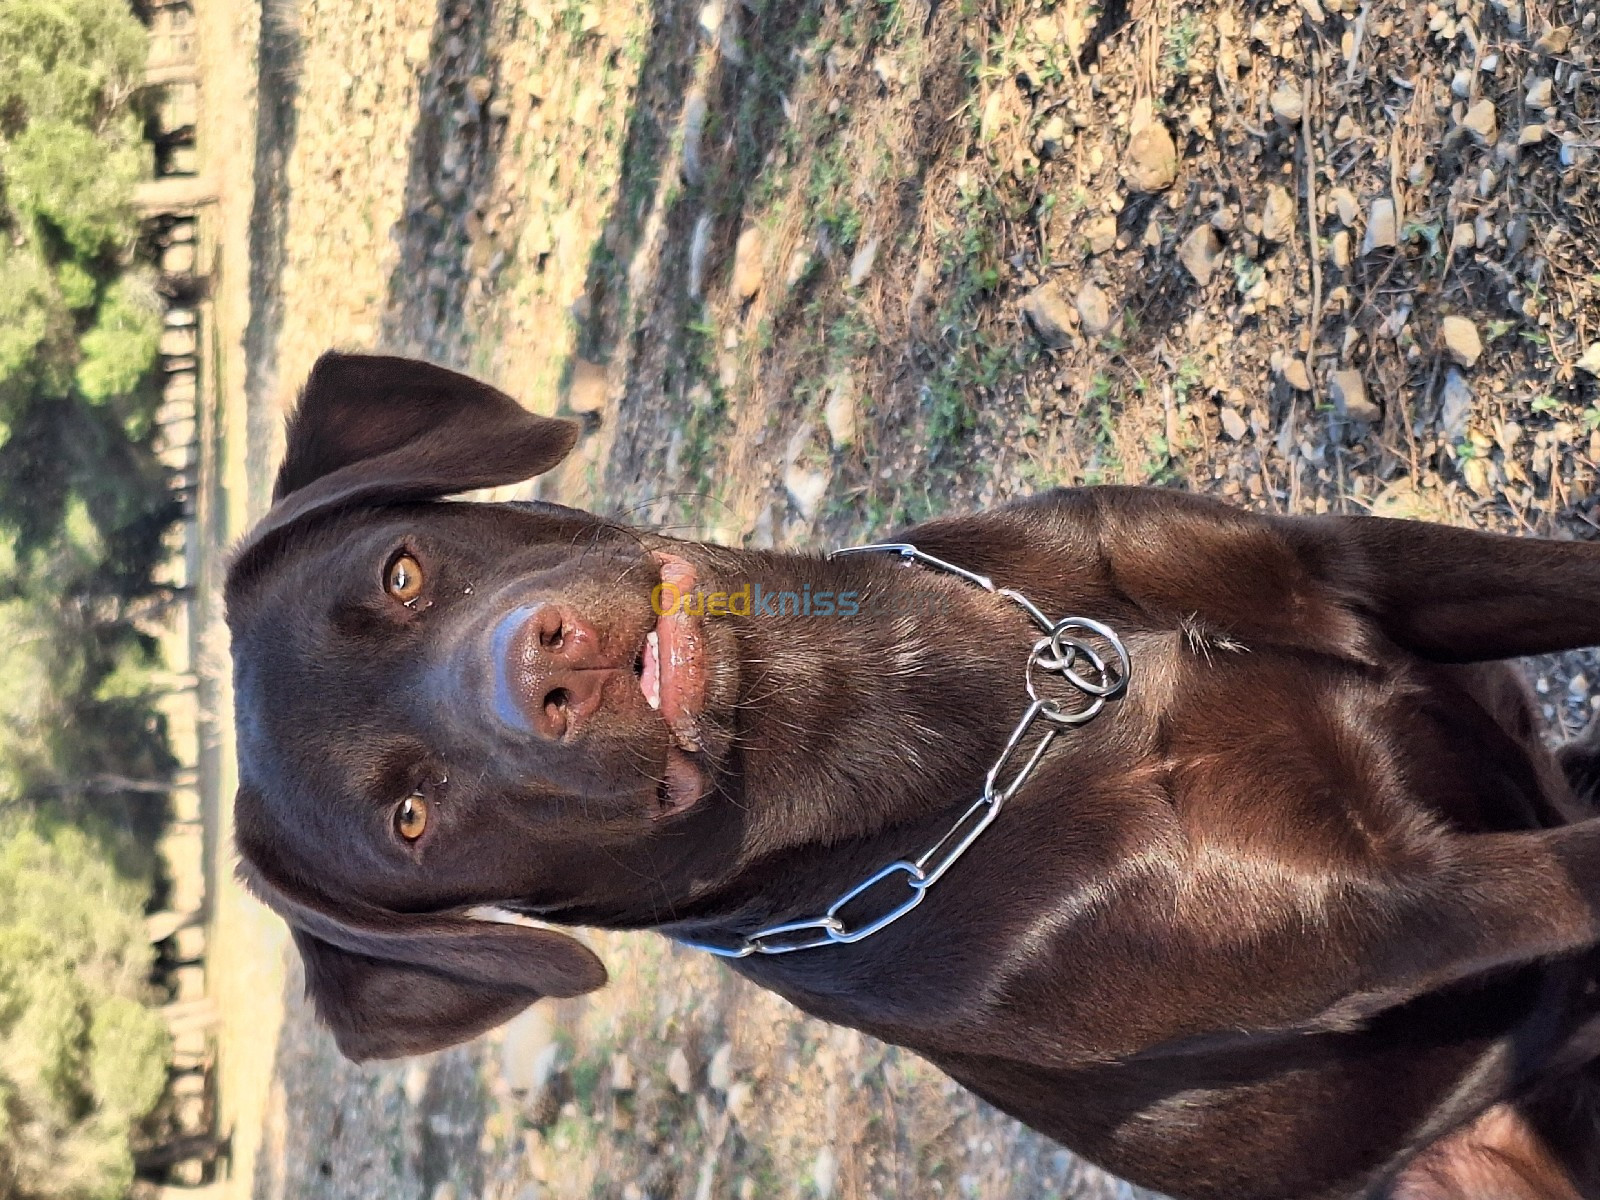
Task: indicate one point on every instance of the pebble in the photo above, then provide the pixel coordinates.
(1541, 91)
(1481, 121)
(719, 1073)
(678, 1073)
(1455, 405)
(1382, 228)
(1294, 371)
(1339, 249)
(1100, 236)
(748, 272)
(1590, 361)
(1555, 41)
(694, 124)
(1233, 425)
(1151, 164)
(1461, 340)
(1349, 392)
(699, 243)
(1051, 317)
(480, 89)
(839, 412)
(1277, 217)
(861, 262)
(1531, 135)
(1094, 309)
(1200, 253)
(1462, 238)
(1344, 203)
(825, 1172)
(806, 489)
(1287, 106)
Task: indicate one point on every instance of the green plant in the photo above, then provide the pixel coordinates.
(1178, 47)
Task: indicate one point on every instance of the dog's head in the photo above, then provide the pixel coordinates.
(445, 705)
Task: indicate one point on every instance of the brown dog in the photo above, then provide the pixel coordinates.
(1306, 911)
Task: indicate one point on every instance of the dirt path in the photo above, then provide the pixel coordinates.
(823, 268)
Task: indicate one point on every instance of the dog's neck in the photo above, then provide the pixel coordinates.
(854, 735)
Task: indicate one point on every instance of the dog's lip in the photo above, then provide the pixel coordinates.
(672, 678)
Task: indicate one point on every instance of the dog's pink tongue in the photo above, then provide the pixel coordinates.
(680, 650)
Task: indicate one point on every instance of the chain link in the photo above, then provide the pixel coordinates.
(1068, 649)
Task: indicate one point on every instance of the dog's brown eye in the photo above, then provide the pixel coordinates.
(404, 579)
(411, 821)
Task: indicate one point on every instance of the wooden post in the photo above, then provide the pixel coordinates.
(174, 194)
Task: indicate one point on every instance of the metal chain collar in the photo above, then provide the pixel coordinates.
(1064, 650)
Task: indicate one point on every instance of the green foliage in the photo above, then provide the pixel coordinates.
(66, 60)
(122, 345)
(29, 306)
(78, 182)
(82, 1058)
(77, 286)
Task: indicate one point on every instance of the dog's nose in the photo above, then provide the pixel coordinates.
(550, 669)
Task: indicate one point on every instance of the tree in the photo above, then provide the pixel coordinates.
(82, 1057)
(78, 183)
(121, 346)
(67, 60)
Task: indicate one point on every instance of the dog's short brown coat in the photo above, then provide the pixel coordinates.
(1310, 912)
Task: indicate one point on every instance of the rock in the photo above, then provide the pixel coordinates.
(480, 89)
(1531, 135)
(1346, 129)
(699, 243)
(1288, 106)
(1339, 249)
(1151, 164)
(1344, 203)
(719, 1073)
(588, 388)
(622, 1074)
(678, 1073)
(1200, 253)
(694, 125)
(1460, 339)
(1349, 392)
(1555, 41)
(739, 1097)
(862, 261)
(825, 1172)
(1590, 361)
(1051, 317)
(748, 272)
(839, 411)
(1382, 228)
(806, 489)
(1233, 425)
(1541, 91)
(1455, 405)
(1462, 238)
(1100, 236)
(1094, 309)
(1481, 121)
(418, 46)
(1295, 373)
(1277, 217)
(1052, 139)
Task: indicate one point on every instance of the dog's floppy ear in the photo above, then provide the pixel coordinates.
(390, 984)
(378, 1008)
(375, 429)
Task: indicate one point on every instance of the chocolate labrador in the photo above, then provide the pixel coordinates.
(1219, 847)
